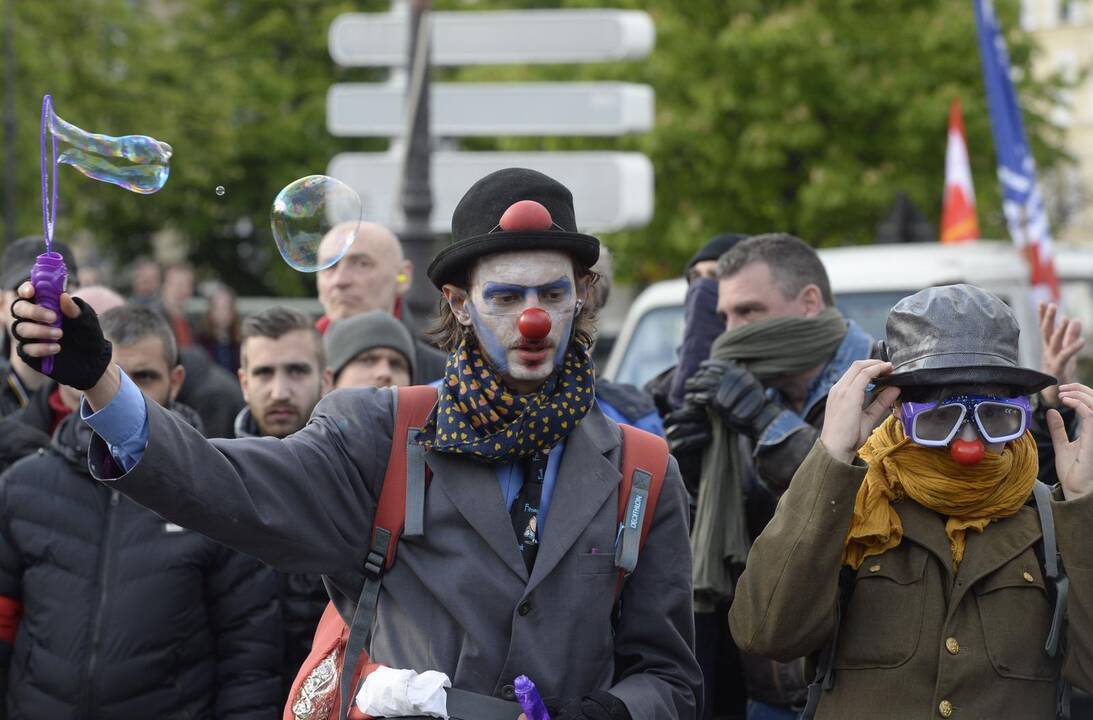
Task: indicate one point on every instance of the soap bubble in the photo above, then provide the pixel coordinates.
(134, 162)
(220, 190)
(314, 221)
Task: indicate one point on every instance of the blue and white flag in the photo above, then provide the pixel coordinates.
(1022, 202)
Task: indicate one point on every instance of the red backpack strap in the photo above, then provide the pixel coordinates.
(406, 474)
(644, 464)
(405, 468)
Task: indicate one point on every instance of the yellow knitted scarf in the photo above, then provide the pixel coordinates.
(969, 496)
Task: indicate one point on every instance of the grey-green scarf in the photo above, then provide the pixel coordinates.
(770, 349)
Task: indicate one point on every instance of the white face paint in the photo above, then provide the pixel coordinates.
(501, 288)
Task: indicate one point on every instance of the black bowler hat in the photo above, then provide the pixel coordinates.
(498, 214)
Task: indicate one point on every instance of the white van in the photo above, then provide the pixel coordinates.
(867, 281)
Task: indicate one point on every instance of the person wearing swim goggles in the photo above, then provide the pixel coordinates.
(911, 552)
(968, 424)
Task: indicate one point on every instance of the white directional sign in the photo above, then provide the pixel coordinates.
(491, 38)
(611, 190)
(488, 109)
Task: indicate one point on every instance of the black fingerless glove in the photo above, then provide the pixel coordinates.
(85, 353)
(599, 705)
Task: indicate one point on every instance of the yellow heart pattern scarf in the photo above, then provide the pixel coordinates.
(477, 415)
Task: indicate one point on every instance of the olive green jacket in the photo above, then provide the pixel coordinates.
(917, 640)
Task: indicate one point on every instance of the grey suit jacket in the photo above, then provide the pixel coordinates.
(459, 599)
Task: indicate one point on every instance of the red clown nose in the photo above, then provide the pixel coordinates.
(967, 452)
(534, 323)
(526, 215)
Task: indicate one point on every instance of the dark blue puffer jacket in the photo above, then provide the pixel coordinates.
(124, 615)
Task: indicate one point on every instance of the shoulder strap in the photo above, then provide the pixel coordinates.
(1059, 586)
(412, 407)
(644, 463)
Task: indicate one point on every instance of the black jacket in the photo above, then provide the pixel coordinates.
(210, 390)
(123, 614)
(303, 596)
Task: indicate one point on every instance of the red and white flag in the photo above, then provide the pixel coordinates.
(958, 219)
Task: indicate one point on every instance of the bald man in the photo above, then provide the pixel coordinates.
(372, 275)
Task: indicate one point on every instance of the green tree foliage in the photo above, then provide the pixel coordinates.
(804, 115)
(807, 116)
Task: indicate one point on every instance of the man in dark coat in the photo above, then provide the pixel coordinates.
(282, 375)
(109, 611)
(516, 571)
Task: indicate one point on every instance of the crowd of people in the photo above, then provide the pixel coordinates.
(195, 517)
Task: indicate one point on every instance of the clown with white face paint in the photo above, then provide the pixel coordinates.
(515, 568)
(521, 306)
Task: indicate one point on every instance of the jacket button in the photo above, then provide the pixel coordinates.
(508, 692)
(524, 608)
(1028, 577)
(945, 708)
(874, 568)
(952, 645)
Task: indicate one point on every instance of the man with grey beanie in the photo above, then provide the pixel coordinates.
(369, 350)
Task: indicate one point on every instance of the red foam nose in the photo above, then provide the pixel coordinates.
(526, 215)
(967, 452)
(534, 323)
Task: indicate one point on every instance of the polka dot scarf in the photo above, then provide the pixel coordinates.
(477, 415)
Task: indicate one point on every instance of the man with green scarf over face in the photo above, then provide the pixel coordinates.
(755, 408)
(513, 570)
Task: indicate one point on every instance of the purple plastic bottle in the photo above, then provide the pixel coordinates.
(48, 276)
(529, 698)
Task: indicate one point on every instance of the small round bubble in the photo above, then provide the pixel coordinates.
(220, 190)
(314, 221)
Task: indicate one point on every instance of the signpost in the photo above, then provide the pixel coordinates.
(495, 38)
(494, 109)
(611, 190)
(414, 189)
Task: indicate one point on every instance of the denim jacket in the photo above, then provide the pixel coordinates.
(784, 444)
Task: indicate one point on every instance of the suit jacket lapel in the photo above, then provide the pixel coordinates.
(586, 479)
(473, 489)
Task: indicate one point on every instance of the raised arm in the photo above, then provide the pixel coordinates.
(301, 504)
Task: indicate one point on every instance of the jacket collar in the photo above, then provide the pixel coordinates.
(983, 554)
(585, 480)
(245, 426)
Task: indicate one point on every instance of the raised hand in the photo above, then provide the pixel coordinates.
(81, 353)
(1060, 342)
(1073, 460)
(847, 422)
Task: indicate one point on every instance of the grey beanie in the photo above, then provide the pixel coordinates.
(348, 338)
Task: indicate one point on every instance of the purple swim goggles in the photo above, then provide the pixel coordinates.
(935, 424)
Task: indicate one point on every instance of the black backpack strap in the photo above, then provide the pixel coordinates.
(360, 630)
(1059, 586)
(825, 665)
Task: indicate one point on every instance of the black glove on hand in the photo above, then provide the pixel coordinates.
(85, 353)
(687, 429)
(734, 392)
(599, 705)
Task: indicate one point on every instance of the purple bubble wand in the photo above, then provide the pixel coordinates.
(530, 701)
(49, 274)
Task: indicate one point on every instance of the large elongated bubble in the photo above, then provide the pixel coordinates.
(135, 162)
(314, 221)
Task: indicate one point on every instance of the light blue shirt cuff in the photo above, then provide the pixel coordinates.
(122, 424)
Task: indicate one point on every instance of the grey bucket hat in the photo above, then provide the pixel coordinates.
(956, 334)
